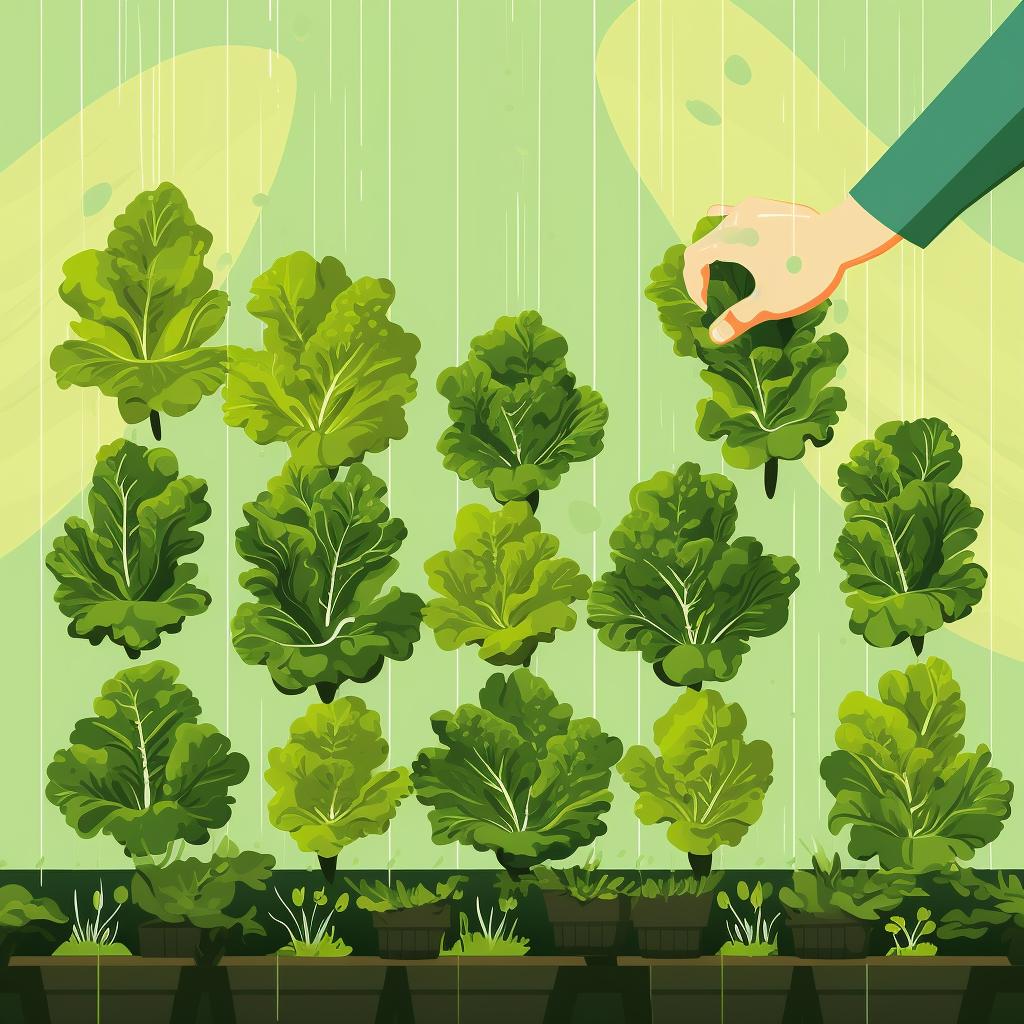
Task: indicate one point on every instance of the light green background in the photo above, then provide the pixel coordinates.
(461, 148)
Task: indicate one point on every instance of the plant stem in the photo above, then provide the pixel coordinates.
(328, 865)
(917, 642)
(327, 691)
(533, 500)
(700, 864)
(154, 423)
(771, 476)
(659, 671)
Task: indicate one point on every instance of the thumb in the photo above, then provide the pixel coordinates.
(736, 319)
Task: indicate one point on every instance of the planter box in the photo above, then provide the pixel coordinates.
(157, 938)
(836, 938)
(670, 927)
(413, 934)
(597, 928)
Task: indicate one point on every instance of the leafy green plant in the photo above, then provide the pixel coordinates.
(751, 932)
(990, 903)
(770, 387)
(673, 886)
(707, 782)
(583, 882)
(327, 792)
(683, 594)
(905, 544)
(334, 374)
(380, 897)
(322, 550)
(96, 936)
(21, 913)
(902, 780)
(308, 936)
(120, 577)
(147, 311)
(205, 894)
(502, 588)
(827, 891)
(518, 419)
(517, 774)
(490, 938)
(144, 770)
(909, 942)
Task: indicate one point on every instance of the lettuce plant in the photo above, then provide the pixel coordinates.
(517, 774)
(327, 791)
(707, 782)
(322, 550)
(144, 770)
(518, 419)
(147, 311)
(902, 781)
(990, 903)
(904, 547)
(502, 587)
(205, 894)
(681, 592)
(121, 576)
(380, 897)
(770, 387)
(21, 913)
(334, 374)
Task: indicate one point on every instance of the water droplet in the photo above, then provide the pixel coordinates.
(584, 517)
(841, 373)
(840, 310)
(96, 197)
(703, 112)
(225, 260)
(741, 236)
(737, 69)
(260, 199)
(794, 264)
(301, 27)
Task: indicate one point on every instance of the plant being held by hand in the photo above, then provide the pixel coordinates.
(684, 592)
(121, 576)
(147, 311)
(502, 587)
(518, 419)
(905, 545)
(909, 943)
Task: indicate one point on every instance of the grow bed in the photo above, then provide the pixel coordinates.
(499, 990)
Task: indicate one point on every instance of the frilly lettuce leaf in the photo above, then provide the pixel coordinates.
(517, 774)
(120, 577)
(502, 586)
(518, 419)
(335, 373)
(147, 311)
(681, 592)
(322, 550)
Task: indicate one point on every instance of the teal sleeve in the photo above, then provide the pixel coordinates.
(968, 139)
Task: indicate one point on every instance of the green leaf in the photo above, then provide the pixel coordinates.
(327, 793)
(147, 311)
(204, 893)
(143, 770)
(708, 783)
(335, 373)
(517, 774)
(681, 592)
(743, 890)
(901, 780)
(722, 899)
(120, 577)
(904, 547)
(770, 390)
(20, 911)
(502, 586)
(322, 550)
(518, 419)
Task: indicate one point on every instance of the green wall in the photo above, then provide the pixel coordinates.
(463, 150)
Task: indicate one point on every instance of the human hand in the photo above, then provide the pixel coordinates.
(796, 256)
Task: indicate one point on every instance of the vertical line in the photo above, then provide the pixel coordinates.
(42, 423)
(593, 320)
(391, 497)
(817, 719)
(991, 468)
(867, 268)
(330, 47)
(639, 659)
(458, 284)
(227, 324)
(540, 93)
(721, 101)
(314, 174)
(794, 666)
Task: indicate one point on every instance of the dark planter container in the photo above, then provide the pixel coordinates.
(671, 927)
(829, 938)
(597, 928)
(413, 934)
(156, 938)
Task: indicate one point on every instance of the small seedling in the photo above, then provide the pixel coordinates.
(908, 942)
(96, 935)
(491, 939)
(306, 935)
(750, 934)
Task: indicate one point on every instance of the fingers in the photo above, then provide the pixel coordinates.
(720, 210)
(697, 260)
(737, 319)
